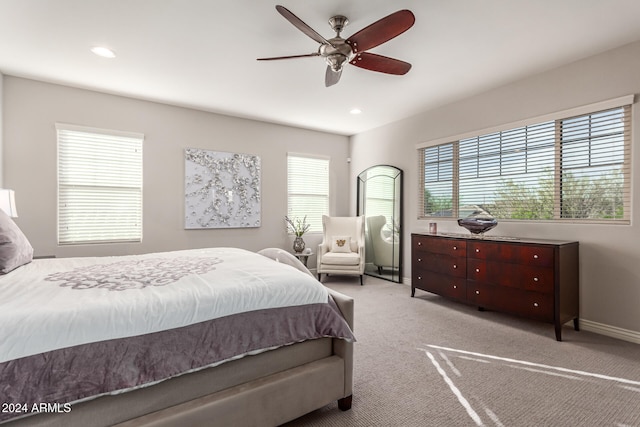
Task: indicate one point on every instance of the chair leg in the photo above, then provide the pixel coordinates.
(361, 276)
(319, 277)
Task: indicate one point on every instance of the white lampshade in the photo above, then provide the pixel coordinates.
(8, 202)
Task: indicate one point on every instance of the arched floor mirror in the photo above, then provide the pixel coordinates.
(380, 201)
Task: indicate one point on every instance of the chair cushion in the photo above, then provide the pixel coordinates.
(341, 244)
(341, 258)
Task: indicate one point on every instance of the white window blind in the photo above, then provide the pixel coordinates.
(99, 186)
(596, 166)
(308, 189)
(573, 168)
(436, 196)
(508, 174)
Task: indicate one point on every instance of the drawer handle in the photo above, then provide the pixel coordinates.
(455, 248)
(419, 243)
(535, 279)
(477, 250)
(455, 287)
(455, 266)
(419, 277)
(535, 257)
(535, 304)
(477, 292)
(477, 270)
(419, 259)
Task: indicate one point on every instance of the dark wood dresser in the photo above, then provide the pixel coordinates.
(536, 279)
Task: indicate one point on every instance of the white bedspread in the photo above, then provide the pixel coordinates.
(57, 303)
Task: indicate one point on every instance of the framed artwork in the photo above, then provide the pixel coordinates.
(221, 190)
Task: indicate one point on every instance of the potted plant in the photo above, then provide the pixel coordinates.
(298, 228)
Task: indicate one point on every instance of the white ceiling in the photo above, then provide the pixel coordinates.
(202, 53)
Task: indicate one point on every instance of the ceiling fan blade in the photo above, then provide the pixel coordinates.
(331, 77)
(299, 24)
(288, 57)
(381, 64)
(381, 31)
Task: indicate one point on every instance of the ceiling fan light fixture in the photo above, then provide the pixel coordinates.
(355, 111)
(336, 61)
(105, 52)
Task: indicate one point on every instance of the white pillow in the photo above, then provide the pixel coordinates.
(341, 244)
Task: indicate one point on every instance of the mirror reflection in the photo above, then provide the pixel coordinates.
(380, 201)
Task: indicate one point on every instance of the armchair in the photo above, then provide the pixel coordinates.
(342, 247)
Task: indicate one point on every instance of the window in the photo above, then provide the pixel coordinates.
(99, 186)
(572, 168)
(308, 189)
(437, 164)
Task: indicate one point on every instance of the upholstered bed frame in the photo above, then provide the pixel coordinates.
(269, 388)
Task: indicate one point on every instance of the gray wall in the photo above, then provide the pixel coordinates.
(609, 254)
(32, 108)
(1, 132)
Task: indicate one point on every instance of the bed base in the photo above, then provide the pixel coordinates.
(270, 388)
(268, 401)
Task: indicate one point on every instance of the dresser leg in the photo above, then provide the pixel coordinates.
(558, 331)
(413, 292)
(576, 324)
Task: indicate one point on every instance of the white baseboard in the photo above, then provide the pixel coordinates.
(610, 331)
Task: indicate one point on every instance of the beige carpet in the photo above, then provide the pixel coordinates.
(426, 361)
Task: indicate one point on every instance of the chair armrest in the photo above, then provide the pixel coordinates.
(362, 256)
(322, 248)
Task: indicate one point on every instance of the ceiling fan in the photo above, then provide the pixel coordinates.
(338, 51)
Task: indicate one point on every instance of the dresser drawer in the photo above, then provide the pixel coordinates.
(439, 263)
(540, 279)
(440, 245)
(534, 255)
(533, 305)
(447, 286)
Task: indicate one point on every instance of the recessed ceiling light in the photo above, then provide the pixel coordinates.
(355, 111)
(103, 51)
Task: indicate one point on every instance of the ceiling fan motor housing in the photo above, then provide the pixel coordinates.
(337, 53)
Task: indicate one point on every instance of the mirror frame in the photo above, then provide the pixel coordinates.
(398, 203)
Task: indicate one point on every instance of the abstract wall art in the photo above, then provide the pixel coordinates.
(222, 190)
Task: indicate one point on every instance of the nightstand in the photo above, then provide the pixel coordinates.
(303, 257)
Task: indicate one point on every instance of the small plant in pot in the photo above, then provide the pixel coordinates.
(298, 227)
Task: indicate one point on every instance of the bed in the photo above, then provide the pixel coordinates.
(192, 337)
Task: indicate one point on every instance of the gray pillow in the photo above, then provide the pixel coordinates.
(284, 257)
(15, 249)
